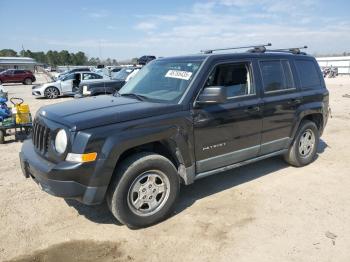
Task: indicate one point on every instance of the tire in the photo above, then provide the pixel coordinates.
(0, 82)
(141, 179)
(304, 147)
(2, 136)
(28, 81)
(51, 92)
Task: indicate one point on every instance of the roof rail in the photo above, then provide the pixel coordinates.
(260, 47)
(293, 50)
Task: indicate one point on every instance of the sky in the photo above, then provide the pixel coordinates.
(126, 29)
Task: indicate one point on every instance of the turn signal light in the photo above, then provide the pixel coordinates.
(81, 158)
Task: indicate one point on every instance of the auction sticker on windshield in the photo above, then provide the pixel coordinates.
(179, 74)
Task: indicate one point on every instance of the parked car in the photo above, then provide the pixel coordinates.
(75, 70)
(178, 120)
(104, 86)
(17, 76)
(143, 60)
(66, 85)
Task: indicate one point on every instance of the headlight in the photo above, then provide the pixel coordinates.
(61, 141)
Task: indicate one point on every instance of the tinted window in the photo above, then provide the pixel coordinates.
(87, 76)
(235, 77)
(69, 77)
(309, 75)
(276, 75)
(19, 72)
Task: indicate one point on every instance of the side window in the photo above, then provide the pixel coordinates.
(309, 75)
(89, 76)
(236, 77)
(277, 75)
(69, 77)
(96, 76)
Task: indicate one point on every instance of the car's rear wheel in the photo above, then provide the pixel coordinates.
(304, 147)
(51, 92)
(28, 81)
(2, 136)
(0, 82)
(144, 190)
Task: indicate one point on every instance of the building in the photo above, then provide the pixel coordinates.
(25, 63)
(340, 62)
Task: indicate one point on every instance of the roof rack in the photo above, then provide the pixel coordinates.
(255, 47)
(293, 50)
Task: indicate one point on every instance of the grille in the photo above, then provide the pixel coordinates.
(41, 137)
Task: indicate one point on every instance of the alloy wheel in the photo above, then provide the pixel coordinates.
(148, 193)
(306, 143)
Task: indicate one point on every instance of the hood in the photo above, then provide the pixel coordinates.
(97, 111)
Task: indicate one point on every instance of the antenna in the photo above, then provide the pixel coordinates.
(210, 51)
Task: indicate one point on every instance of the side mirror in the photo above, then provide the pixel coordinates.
(212, 95)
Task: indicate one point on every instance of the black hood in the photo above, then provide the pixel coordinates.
(92, 112)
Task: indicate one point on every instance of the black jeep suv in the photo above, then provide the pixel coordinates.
(179, 119)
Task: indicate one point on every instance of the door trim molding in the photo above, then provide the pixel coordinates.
(246, 162)
(227, 159)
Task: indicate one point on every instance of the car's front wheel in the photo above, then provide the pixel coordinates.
(51, 93)
(144, 190)
(304, 147)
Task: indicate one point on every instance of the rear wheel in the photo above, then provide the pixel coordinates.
(51, 92)
(144, 190)
(2, 136)
(0, 82)
(304, 147)
(28, 81)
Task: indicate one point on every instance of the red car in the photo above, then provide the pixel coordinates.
(17, 76)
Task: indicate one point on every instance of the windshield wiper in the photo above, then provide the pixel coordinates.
(139, 97)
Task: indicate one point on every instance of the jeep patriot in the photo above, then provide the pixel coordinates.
(178, 120)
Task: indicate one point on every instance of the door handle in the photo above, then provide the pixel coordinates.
(252, 109)
(294, 101)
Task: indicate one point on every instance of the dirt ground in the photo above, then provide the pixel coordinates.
(267, 211)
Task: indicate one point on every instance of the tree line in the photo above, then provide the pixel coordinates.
(55, 58)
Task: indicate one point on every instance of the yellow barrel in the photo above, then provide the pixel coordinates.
(22, 114)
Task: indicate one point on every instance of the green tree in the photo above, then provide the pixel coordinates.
(8, 52)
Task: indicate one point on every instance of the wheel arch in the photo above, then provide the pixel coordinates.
(315, 116)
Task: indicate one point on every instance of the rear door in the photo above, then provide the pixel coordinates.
(281, 98)
(228, 133)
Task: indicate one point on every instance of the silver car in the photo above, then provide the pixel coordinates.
(68, 85)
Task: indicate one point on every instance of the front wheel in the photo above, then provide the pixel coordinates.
(304, 147)
(28, 81)
(144, 190)
(51, 93)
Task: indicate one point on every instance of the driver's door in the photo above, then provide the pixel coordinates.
(228, 133)
(67, 84)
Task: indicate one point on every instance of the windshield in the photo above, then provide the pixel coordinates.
(122, 74)
(162, 81)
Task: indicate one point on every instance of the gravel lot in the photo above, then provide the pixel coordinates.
(267, 211)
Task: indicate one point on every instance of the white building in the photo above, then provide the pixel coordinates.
(25, 63)
(340, 62)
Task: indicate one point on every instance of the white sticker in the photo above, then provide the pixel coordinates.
(179, 74)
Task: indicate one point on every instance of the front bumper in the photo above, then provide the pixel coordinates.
(44, 172)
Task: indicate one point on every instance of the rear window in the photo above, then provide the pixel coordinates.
(277, 75)
(308, 74)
